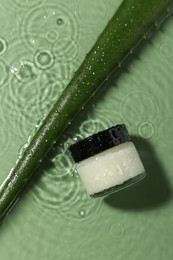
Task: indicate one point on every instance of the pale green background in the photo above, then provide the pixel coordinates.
(55, 219)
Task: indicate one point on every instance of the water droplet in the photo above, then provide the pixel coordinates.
(25, 72)
(14, 69)
(44, 59)
(156, 25)
(82, 213)
(60, 21)
(22, 150)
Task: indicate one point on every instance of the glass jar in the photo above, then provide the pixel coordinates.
(107, 161)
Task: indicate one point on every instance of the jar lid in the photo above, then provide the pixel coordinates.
(99, 142)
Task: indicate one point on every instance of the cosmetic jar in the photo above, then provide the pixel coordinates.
(107, 161)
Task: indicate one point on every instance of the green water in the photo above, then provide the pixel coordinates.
(42, 43)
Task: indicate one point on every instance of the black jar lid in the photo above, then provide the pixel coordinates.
(99, 142)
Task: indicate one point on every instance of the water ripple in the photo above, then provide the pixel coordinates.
(21, 62)
(22, 104)
(44, 59)
(60, 192)
(4, 65)
(96, 249)
(117, 231)
(165, 129)
(35, 84)
(22, 87)
(30, 100)
(18, 4)
(41, 27)
(135, 115)
(65, 49)
(3, 46)
(4, 74)
(166, 50)
(146, 129)
(24, 71)
(92, 12)
(5, 138)
(50, 85)
(92, 126)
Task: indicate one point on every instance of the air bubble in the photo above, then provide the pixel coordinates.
(60, 21)
(44, 59)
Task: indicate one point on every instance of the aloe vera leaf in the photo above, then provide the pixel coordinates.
(124, 31)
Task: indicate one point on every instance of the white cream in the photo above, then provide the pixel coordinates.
(110, 168)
